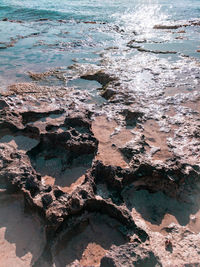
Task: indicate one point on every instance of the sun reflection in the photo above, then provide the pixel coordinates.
(142, 17)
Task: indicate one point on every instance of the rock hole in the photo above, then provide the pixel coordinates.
(62, 157)
(88, 241)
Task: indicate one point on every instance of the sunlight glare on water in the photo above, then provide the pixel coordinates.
(142, 17)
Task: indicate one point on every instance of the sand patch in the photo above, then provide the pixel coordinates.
(108, 152)
(158, 139)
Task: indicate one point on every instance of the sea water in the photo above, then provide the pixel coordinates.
(38, 35)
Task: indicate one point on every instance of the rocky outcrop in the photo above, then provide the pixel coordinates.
(68, 140)
(130, 254)
(108, 82)
(176, 26)
(78, 196)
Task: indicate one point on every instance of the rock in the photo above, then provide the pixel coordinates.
(130, 255)
(101, 77)
(31, 116)
(176, 26)
(108, 92)
(132, 117)
(133, 147)
(141, 49)
(85, 203)
(47, 200)
(167, 27)
(132, 43)
(3, 104)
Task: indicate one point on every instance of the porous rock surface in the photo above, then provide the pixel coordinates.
(95, 217)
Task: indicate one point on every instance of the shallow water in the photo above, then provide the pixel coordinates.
(41, 35)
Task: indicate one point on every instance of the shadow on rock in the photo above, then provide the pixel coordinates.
(64, 166)
(88, 241)
(22, 236)
(154, 206)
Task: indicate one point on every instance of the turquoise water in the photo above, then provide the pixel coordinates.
(38, 35)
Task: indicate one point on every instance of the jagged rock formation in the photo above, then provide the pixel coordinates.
(50, 152)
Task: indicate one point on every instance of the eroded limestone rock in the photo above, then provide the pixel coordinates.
(85, 201)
